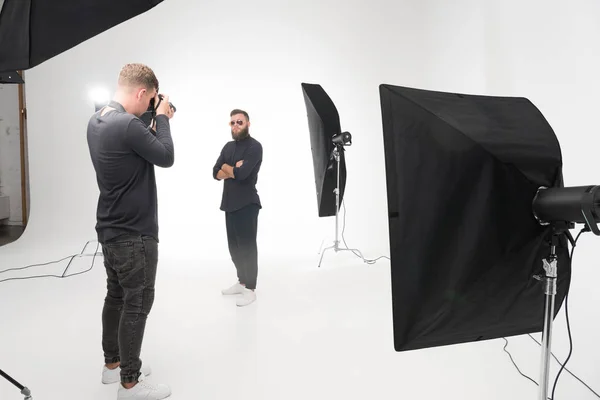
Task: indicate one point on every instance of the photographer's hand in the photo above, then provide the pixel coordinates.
(164, 108)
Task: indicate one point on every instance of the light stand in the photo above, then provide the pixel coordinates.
(560, 208)
(24, 391)
(336, 155)
(551, 269)
(550, 266)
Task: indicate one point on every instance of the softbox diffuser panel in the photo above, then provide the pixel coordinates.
(323, 124)
(33, 31)
(461, 173)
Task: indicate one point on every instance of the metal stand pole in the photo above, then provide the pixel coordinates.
(551, 268)
(336, 243)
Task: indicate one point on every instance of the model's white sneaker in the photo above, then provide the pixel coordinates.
(235, 289)
(248, 296)
(114, 375)
(144, 390)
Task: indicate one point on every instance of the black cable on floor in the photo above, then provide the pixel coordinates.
(515, 364)
(367, 261)
(63, 275)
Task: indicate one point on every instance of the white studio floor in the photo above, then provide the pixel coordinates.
(312, 334)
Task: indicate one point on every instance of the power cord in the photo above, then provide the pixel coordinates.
(367, 261)
(63, 275)
(515, 364)
(566, 369)
(24, 390)
(563, 365)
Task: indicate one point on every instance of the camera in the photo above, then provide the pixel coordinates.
(150, 113)
(152, 107)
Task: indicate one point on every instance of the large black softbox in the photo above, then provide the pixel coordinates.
(462, 172)
(33, 31)
(323, 124)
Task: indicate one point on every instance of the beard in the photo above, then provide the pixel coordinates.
(242, 134)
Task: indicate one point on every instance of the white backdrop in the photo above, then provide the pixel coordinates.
(213, 56)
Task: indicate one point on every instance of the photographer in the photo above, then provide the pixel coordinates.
(124, 152)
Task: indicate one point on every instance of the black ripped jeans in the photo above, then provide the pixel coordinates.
(241, 237)
(130, 263)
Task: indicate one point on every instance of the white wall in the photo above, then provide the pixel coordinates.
(10, 151)
(213, 56)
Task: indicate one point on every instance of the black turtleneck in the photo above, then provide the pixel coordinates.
(240, 191)
(124, 152)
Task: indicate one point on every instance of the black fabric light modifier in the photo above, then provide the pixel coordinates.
(461, 175)
(33, 31)
(323, 124)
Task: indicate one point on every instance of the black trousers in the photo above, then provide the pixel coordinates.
(241, 237)
(130, 263)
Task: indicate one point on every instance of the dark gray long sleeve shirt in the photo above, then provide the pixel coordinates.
(124, 152)
(240, 191)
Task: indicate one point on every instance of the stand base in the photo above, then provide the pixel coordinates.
(336, 244)
(336, 247)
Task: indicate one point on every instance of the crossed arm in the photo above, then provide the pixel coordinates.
(223, 170)
(242, 168)
(222, 175)
(226, 171)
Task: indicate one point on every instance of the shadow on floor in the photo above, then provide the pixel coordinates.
(10, 233)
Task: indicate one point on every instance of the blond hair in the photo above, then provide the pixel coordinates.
(138, 75)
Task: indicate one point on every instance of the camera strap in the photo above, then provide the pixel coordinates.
(154, 111)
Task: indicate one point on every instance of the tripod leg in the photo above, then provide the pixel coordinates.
(321, 259)
(323, 253)
(24, 391)
(11, 380)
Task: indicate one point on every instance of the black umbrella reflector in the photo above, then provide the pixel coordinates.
(325, 135)
(33, 31)
(11, 77)
(462, 172)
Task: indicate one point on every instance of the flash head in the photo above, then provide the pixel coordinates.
(342, 139)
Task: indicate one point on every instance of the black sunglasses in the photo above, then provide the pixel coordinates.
(239, 122)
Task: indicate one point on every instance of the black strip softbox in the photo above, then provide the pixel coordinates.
(461, 173)
(323, 124)
(33, 31)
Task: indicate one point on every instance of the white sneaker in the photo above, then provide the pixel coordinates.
(235, 289)
(248, 296)
(144, 390)
(114, 375)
